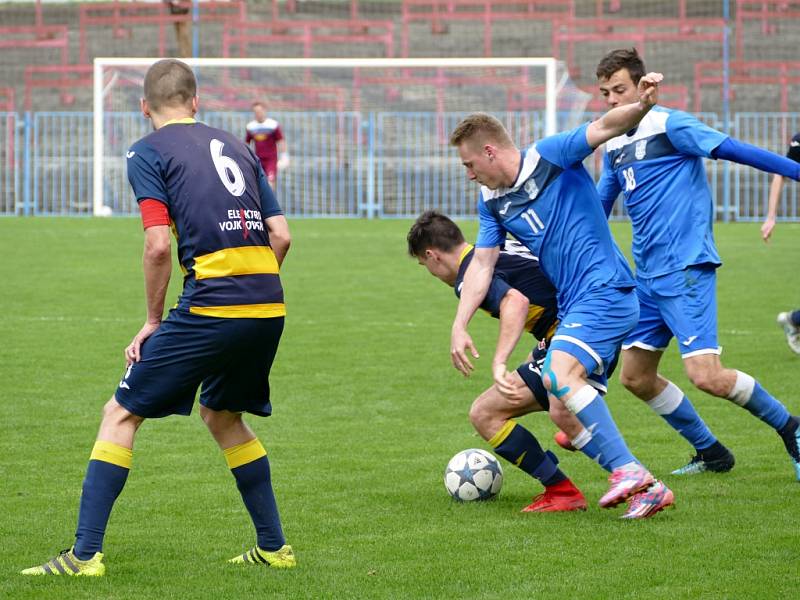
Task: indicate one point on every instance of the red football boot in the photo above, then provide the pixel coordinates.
(563, 440)
(561, 497)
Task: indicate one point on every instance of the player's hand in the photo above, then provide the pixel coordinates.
(648, 89)
(460, 342)
(767, 227)
(502, 379)
(283, 161)
(133, 352)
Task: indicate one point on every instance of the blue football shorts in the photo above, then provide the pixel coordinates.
(228, 359)
(681, 304)
(593, 328)
(531, 374)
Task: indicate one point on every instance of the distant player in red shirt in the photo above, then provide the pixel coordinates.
(268, 142)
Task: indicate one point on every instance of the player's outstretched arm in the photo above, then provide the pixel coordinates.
(279, 237)
(513, 314)
(157, 263)
(775, 190)
(624, 118)
(477, 279)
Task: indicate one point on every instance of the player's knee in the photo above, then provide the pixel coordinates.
(709, 381)
(639, 384)
(218, 421)
(115, 414)
(479, 415)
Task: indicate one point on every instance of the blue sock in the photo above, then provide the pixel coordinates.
(586, 444)
(592, 412)
(677, 410)
(249, 465)
(108, 469)
(519, 447)
(749, 394)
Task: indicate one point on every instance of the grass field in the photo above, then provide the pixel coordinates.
(367, 413)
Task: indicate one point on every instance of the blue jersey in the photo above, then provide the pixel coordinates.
(659, 169)
(553, 209)
(217, 198)
(517, 268)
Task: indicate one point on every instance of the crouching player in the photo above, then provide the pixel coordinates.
(522, 298)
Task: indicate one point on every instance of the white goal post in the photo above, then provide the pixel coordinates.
(547, 76)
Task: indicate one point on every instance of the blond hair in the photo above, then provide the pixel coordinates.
(480, 127)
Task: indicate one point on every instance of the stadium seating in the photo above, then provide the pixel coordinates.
(67, 79)
(121, 17)
(571, 36)
(768, 76)
(439, 13)
(37, 37)
(351, 37)
(769, 14)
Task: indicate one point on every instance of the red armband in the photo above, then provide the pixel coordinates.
(153, 213)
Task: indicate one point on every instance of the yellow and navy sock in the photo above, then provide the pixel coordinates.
(249, 464)
(519, 446)
(106, 474)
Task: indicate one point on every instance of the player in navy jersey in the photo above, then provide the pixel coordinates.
(546, 199)
(658, 167)
(522, 298)
(789, 320)
(223, 334)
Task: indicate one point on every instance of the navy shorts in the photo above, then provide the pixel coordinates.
(229, 359)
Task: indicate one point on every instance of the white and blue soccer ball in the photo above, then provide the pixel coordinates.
(473, 474)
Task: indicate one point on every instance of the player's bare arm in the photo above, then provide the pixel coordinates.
(157, 264)
(513, 314)
(775, 190)
(624, 118)
(477, 279)
(279, 237)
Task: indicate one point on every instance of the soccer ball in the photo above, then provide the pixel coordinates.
(473, 474)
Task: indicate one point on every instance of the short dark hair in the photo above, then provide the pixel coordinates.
(170, 83)
(622, 58)
(257, 103)
(480, 126)
(432, 229)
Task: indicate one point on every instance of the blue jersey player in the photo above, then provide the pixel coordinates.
(545, 198)
(658, 167)
(523, 299)
(222, 336)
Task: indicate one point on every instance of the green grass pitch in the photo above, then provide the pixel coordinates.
(368, 411)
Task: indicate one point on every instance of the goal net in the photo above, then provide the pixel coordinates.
(366, 137)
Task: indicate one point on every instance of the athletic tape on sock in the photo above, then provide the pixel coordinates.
(743, 389)
(667, 401)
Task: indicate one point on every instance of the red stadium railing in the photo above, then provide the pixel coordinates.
(44, 36)
(439, 12)
(533, 98)
(781, 74)
(567, 33)
(7, 101)
(290, 6)
(768, 12)
(308, 34)
(67, 79)
(120, 17)
(241, 96)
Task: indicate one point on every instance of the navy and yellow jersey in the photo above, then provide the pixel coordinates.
(217, 197)
(517, 268)
(794, 148)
